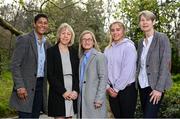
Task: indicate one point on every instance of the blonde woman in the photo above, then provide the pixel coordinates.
(121, 55)
(154, 60)
(93, 77)
(62, 72)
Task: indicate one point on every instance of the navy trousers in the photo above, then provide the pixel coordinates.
(149, 109)
(37, 103)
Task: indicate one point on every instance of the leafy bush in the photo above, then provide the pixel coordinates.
(176, 78)
(5, 92)
(171, 103)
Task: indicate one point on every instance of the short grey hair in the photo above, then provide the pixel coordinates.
(147, 14)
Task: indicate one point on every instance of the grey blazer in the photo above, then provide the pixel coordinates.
(158, 62)
(94, 86)
(24, 69)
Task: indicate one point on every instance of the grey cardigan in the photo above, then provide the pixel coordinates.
(158, 62)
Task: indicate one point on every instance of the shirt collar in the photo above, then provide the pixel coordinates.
(36, 37)
(149, 40)
(87, 54)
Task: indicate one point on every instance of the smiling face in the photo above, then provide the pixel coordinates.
(146, 24)
(117, 32)
(41, 26)
(87, 42)
(65, 36)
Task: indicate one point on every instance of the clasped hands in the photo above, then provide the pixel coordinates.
(70, 95)
(112, 92)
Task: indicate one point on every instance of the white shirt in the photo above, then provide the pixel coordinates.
(143, 79)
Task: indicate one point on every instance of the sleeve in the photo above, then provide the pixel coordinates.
(17, 60)
(108, 81)
(76, 73)
(165, 62)
(102, 78)
(55, 84)
(128, 68)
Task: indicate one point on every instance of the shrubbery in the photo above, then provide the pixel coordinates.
(171, 102)
(5, 92)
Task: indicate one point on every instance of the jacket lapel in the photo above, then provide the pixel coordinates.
(33, 44)
(153, 44)
(93, 54)
(58, 57)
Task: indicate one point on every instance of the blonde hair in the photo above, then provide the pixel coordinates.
(81, 50)
(120, 24)
(68, 27)
(147, 14)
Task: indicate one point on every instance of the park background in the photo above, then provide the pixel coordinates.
(16, 17)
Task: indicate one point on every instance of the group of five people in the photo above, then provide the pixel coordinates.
(80, 80)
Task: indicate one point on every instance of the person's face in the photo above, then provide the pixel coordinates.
(145, 24)
(41, 26)
(65, 36)
(117, 32)
(87, 42)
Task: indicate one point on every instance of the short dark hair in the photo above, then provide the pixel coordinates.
(38, 16)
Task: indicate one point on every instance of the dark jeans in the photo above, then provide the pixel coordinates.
(37, 103)
(149, 109)
(124, 105)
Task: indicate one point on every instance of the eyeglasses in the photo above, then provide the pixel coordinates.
(87, 39)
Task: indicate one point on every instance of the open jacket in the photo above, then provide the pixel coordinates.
(24, 72)
(158, 62)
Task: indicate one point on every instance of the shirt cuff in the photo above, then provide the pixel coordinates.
(116, 90)
(107, 86)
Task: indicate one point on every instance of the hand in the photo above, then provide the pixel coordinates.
(22, 93)
(112, 92)
(66, 95)
(73, 95)
(97, 104)
(155, 96)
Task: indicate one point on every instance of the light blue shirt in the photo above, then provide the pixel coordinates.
(121, 59)
(143, 79)
(83, 65)
(41, 55)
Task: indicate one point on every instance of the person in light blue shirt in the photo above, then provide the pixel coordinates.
(93, 78)
(121, 55)
(29, 94)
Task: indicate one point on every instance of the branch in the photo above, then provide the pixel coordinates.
(9, 27)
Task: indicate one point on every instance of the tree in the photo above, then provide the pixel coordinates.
(167, 21)
(18, 16)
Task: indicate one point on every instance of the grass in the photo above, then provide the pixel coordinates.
(6, 84)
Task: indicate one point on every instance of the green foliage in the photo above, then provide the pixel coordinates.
(176, 78)
(4, 60)
(167, 21)
(171, 103)
(81, 16)
(5, 89)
